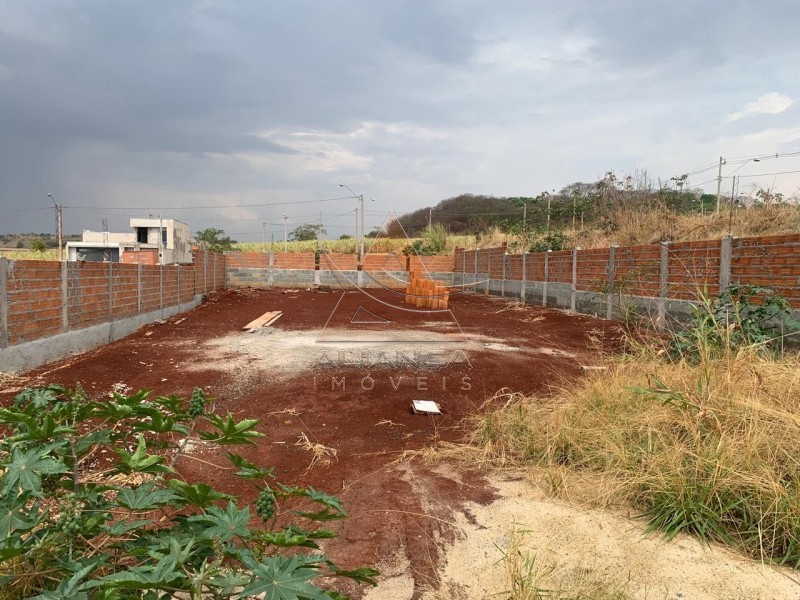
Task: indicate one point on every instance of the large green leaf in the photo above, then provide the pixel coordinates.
(72, 588)
(230, 431)
(47, 429)
(141, 461)
(147, 496)
(27, 467)
(248, 470)
(37, 397)
(162, 574)
(199, 494)
(224, 524)
(283, 578)
(16, 517)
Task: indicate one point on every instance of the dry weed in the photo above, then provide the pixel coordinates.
(320, 454)
(711, 449)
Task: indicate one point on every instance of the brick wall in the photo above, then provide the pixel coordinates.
(247, 260)
(691, 268)
(39, 299)
(432, 264)
(343, 262)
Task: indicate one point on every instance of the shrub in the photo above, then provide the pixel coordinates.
(91, 506)
(744, 316)
(554, 240)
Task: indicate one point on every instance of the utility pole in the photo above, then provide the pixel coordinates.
(263, 237)
(574, 210)
(356, 211)
(361, 252)
(733, 190)
(548, 213)
(525, 218)
(719, 182)
(430, 217)
(106, 255)
(285, 236)
(59, 225)
(160, 239)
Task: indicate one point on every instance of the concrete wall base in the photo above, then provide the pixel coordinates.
(30, 355)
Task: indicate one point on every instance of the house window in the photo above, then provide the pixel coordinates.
(164, 237)
(141, 235)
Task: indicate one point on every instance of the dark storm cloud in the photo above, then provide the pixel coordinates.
(131, 103)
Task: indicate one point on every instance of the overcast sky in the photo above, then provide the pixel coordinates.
(148, 106)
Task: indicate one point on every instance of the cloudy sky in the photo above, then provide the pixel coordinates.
(123, 108)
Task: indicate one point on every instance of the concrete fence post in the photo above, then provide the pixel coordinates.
(64, 297)
(488, 270)
(215, 271)
(503, 282)
(110, 291)
(573, 296)
(663, 287)
(205, 272)
(546, 276)
(271, 276)
(612, 276)
(475, 276)
(725, 255)
(3, 302)
(179, 284)
(523, 285)
(138, 288)
(161, 286)
(463, 265)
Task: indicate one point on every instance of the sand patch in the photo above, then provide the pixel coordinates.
(606, 544)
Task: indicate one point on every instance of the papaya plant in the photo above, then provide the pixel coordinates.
(92, 507)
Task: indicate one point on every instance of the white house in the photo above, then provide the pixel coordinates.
(152, 241)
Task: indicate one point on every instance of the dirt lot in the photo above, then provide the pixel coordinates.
(353, 397)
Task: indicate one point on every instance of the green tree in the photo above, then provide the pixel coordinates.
(38, 245)
(214, 240)
(307, 232)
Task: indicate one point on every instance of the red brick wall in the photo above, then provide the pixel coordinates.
(772, 261)
(433, 264)
(638, 270)
(693, 268)
(592, 272)
(295, 260)
(341, 262)
(247, 260)
(34, 300)
(35, 289)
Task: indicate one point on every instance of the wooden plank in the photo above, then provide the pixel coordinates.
(273, 319)
(261, 320)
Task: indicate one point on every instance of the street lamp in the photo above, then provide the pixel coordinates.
(361, 199)
(722, 161)
(58, 224)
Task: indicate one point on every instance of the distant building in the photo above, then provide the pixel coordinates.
(152, 242)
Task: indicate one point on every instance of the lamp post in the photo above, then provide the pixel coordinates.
(722, 161)
(285, 236)
(360, 197)
(59, 209)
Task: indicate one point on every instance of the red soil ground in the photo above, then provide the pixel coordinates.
(394, 509)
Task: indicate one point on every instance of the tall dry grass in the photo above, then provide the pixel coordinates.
(629, 227)
(711, 449)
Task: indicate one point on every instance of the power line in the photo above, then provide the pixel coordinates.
(22, 210)
(210, 206)
(768, 174)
